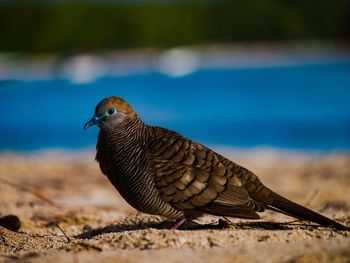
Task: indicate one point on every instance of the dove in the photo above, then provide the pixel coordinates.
(160, 172)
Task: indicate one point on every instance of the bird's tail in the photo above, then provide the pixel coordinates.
(283, 205)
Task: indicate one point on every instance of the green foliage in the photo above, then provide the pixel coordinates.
(79, 25)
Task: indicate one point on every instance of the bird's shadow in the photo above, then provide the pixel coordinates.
(165, 225)
(191, 225)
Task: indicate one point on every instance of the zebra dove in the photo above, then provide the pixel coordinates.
(158, 171)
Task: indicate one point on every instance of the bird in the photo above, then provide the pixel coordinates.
(160, 172)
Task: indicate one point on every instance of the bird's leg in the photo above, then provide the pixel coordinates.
(179, 222)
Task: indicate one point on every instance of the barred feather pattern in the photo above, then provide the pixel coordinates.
(122, 155)
(193, 177)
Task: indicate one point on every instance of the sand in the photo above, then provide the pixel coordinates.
(69, 212)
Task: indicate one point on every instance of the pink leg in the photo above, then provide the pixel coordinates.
(178, 223)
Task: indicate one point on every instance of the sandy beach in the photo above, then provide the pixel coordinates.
(69, 212)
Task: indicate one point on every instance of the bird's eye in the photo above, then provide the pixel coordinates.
(111, 111)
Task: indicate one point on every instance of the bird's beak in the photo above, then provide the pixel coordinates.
(94, 120)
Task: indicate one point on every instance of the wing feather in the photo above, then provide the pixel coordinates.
(190, 176)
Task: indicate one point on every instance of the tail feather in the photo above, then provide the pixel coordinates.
(290, 208)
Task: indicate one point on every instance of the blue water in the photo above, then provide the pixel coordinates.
(297, 107)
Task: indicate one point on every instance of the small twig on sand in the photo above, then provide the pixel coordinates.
(293, 221)
(311, 197)
(228, 221)
(68, 239)
(28, 190)
(307, 203)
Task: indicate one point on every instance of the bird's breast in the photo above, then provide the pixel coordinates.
(128, 172)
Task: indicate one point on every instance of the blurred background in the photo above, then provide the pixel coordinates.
(239, 73)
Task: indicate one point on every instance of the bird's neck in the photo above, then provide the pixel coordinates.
(131, 134)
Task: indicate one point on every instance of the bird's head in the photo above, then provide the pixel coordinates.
(110, 113)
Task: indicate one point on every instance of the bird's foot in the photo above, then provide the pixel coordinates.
(178, 223)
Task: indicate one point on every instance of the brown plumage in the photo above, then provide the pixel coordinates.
(158, 171)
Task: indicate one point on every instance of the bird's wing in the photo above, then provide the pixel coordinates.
(190, 176)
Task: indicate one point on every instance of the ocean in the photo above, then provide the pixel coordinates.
(304, 106)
